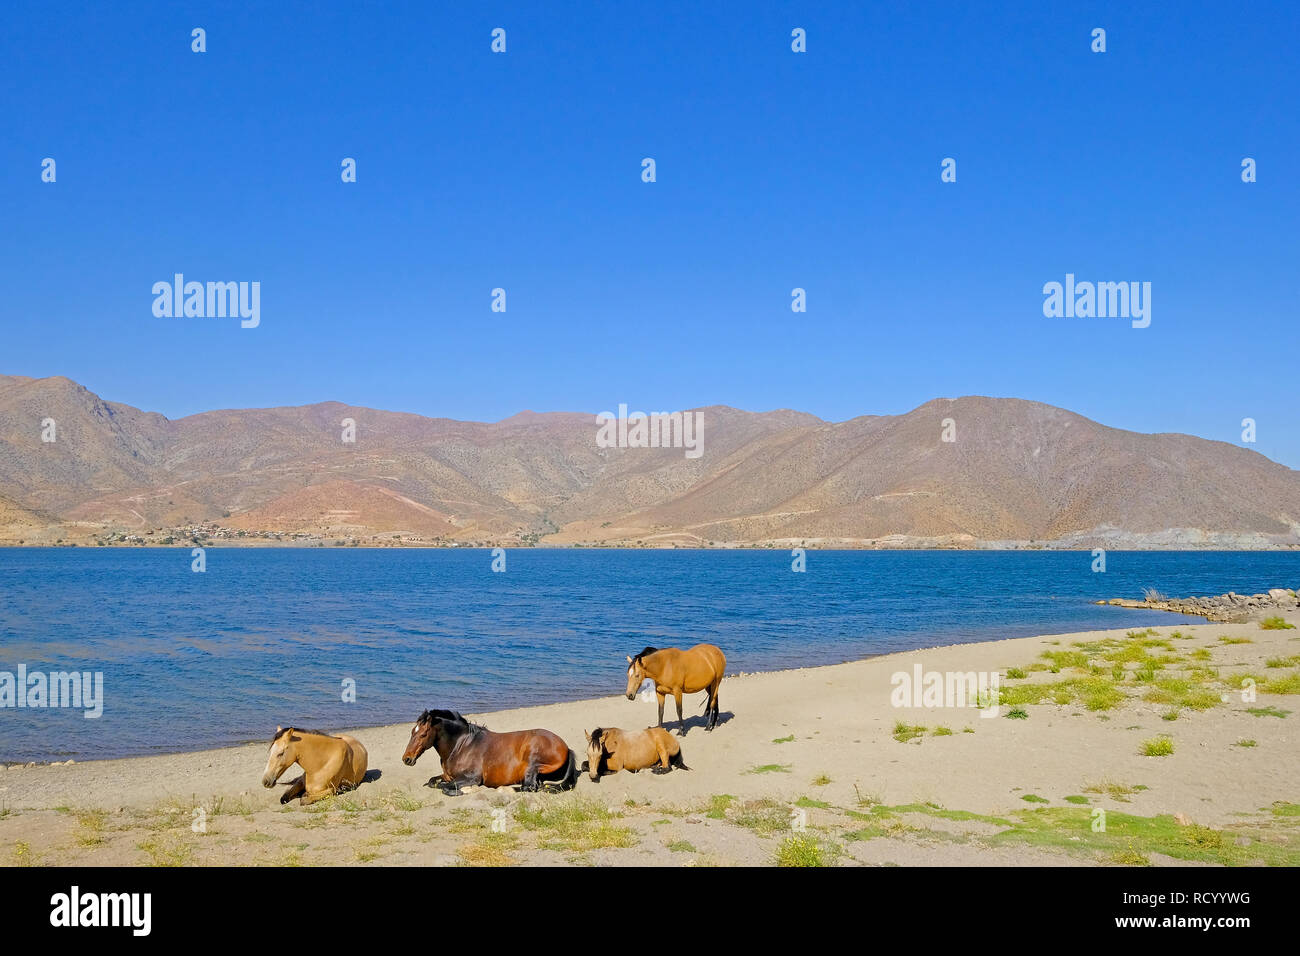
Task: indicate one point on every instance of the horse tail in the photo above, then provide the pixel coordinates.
(570, 778)
(676, 761)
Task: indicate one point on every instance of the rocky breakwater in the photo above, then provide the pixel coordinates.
(1230, 608)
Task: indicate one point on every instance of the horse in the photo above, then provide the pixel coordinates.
(331, 763)
(472, 755)
(632, 750)
(675, 671)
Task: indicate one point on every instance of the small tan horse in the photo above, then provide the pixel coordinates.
(675, 672)
(331, 763)
(612, 750)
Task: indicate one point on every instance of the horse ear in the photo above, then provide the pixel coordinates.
(629, 660)
(278, 728)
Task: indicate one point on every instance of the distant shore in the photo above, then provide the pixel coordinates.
(904, 544)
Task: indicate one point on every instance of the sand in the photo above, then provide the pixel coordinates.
(804, 762)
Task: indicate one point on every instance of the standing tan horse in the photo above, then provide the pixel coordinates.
(675, 672)
(611, 750)
(331, 764)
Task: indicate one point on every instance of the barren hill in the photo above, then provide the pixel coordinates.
(1016, 472)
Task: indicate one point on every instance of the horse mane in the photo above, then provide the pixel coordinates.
(450, 717)
(648, 650)
(598, 738)
(300, 730)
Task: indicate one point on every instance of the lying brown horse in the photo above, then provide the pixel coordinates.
(331, 763)
(675, 672)
(472, 755)
(612, 750)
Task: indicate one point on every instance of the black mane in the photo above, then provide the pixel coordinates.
(449, 717)
(648, 650)
(598, 738)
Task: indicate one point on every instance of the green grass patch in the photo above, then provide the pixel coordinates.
(1129, 857)
(1094, 692)
(1070, 829)
(1161, 746)
(1119, 792)
(577, 825)
(719, 803)
(803, 850)
(763, 816)
(1275, 623)
(1182, 694)
(903, 732)
(1269, 711)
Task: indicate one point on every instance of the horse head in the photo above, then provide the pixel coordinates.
(282, 755)
(636, 672)
(436, 729)
(595, 752)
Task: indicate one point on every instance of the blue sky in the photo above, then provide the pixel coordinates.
(775, 170)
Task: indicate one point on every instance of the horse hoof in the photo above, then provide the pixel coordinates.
(660, 770)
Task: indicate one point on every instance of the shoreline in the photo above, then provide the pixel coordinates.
(910, 544)
(1163, 606)
(511, 707)
(879, 783)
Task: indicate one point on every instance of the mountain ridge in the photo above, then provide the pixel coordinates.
(1017, 473)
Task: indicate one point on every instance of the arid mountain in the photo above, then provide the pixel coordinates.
(1018, 472)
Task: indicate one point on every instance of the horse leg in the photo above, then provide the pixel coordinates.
(660, 695)
(452, 788)
(662, 765)
(310, 798)
(681, 721)
(713, 706)
(297, 788)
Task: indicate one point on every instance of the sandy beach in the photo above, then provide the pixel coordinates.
(808, 767)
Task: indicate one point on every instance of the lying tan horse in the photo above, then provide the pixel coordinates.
(331, 764)
(675, 672)
(613, 750)
(474, 756)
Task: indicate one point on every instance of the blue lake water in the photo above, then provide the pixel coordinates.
(266, 636)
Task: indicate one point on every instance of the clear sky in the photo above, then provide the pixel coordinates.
(775, 170)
